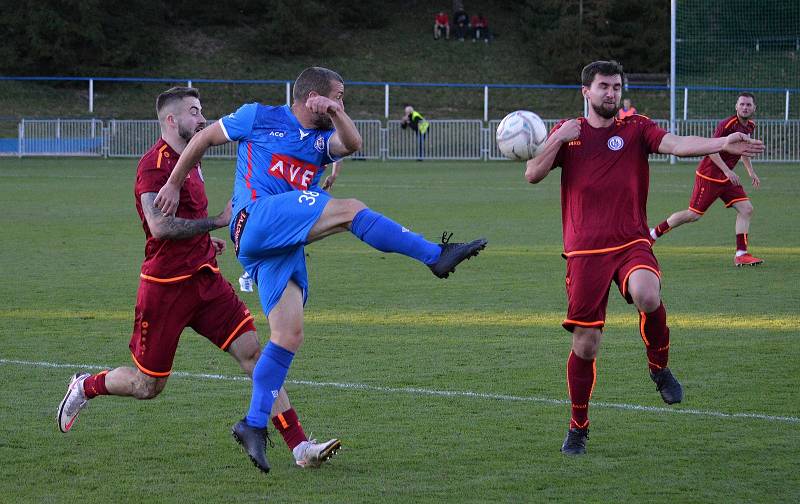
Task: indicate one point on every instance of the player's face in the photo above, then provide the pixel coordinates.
(323, 121)
(189, 118)
(604, 94)
(745, 107)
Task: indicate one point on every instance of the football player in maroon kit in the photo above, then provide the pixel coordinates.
(715, 178)
(604, 186)
(180, 286)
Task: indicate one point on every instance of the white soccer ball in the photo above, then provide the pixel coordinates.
(520, 135)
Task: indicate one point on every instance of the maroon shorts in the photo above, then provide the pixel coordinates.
(589, 278)
(206, 302)
(706, 191)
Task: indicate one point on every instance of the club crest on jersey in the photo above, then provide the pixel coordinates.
(297, 173)
(319, 144)
(615, 143)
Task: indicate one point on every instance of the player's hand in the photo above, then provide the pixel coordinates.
(167, 199)
(568, 131)
(735, 180)
(218, 244)
(224, 219)
(742, 145)
(329, 181)
(323, 105)
(756, 181)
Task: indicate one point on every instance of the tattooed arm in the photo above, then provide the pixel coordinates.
(169, 227)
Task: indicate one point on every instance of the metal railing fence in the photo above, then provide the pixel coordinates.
(455, 139)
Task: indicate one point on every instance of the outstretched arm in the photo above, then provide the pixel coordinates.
(167, 199)
(735, 143)
(169, 227)
(539, 166)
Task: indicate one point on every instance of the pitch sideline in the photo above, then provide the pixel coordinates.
(441, 393)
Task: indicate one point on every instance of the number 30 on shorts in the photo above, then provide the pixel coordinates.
(308, 196)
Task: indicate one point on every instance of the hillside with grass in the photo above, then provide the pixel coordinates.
(402, 51)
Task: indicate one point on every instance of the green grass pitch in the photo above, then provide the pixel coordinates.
(441, 391)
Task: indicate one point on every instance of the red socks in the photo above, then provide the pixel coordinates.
(662, 229)
(741, 242)
(289, 426)
(95, 385)
(655, 334)
(581, 375)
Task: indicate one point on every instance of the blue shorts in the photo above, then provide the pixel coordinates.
(269, 236)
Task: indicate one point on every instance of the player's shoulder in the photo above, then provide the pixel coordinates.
(634, 119)
(729, 122)
(266, 115)
(561, 122)
(153, 157)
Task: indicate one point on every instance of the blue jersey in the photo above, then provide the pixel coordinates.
(276, 154)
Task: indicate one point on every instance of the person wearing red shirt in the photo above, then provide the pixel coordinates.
(480, 28)
(715, 179)
(604, 187)
(441, 24)
(180, 286)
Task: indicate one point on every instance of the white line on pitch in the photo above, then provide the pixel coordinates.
(442, 393)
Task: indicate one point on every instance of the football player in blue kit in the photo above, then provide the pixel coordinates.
(279, 207)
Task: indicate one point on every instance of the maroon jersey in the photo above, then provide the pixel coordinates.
(707, 169)
(605, 178)
(173, 260)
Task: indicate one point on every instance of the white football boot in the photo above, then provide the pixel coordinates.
(72, 404)
(313, 454)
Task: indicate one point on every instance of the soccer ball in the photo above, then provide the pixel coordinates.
(520, 135)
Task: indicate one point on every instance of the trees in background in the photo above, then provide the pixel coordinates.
(563, 35)
(76, 37)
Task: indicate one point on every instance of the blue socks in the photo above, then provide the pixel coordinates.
(384, 234)
(268, 377)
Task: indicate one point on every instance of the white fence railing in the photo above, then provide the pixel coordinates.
(61, 137)
(445, 140)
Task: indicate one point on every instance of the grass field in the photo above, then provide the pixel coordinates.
(441, 391)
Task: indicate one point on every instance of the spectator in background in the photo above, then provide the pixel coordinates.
(480, 28)
(441, 24)
(416, 122)
(627, 109)
(461, 24)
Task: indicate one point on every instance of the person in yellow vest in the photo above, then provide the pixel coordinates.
(416, 122)
(627, 109)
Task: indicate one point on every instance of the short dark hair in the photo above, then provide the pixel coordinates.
(175, 94)
(746, 94)
(602, 68)
(314, 79)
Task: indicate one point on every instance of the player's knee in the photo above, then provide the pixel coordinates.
(586, 342)
(147, 387)
(746, 210)
(353, 207)
(290, 339)
(647, 300)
